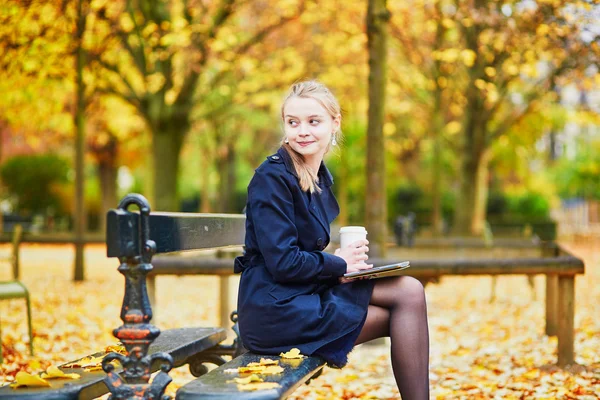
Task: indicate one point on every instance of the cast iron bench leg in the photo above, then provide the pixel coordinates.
(551, 305)
(566, 320)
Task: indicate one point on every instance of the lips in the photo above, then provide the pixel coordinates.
(304, 144)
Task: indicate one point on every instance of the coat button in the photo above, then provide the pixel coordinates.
(320, 243)
(275, 157)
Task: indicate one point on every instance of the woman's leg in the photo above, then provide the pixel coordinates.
(398, 310)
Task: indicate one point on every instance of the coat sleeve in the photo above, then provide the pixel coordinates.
(271, 206)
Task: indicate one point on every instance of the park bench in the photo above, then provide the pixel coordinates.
(134, 237)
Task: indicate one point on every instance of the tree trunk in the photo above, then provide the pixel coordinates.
(376, 199)
(205, 183)
(471, 202)
(225, 163)
(436, 181)
(79, 117)
(108, 187)
(231, 179)
(166, 145)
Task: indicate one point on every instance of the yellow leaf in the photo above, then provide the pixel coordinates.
(268, 361)
(543, 29)
(24, 379)
(257, 386)
(53, 372)
(293, 353)
(272, 370)
(293, 362)
(490, 71)
(532, 374)
(84, 362)
(251, 369)
(248, 379)
(115, 348)
(93, 368)
(346, 378)
(468, 57)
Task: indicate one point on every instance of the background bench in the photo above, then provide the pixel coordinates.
(526, 257)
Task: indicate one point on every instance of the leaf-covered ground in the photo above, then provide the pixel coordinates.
(479, 350)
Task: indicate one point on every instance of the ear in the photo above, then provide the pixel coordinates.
(337, 121)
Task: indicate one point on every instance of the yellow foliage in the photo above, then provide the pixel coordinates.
(468, 57)
(453, 127)
(490, 71)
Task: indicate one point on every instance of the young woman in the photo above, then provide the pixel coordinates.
(291, 293)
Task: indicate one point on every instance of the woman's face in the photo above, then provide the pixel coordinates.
(308, 127)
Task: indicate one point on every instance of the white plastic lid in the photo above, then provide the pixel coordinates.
(353, 229)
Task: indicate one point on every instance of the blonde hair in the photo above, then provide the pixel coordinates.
(319, 92)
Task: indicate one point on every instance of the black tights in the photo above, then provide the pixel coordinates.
(398, 309)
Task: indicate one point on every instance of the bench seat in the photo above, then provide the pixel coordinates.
(218, 384)
(180, 343)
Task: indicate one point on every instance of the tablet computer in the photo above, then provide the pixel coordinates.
(376, 271)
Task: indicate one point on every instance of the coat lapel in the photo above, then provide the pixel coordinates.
(315, 201)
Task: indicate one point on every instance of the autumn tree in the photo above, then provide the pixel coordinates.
(165, 50)
(494, 63)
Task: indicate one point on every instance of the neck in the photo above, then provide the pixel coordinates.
(314, 163)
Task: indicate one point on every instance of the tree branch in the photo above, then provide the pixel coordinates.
(115, 69)
(138, 59)
(141, 63)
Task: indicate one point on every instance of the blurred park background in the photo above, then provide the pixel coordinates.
(477, 117)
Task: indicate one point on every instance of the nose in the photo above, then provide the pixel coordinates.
(304, 129)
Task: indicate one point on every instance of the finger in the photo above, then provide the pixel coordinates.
(362, 249)
(359, 243)
(361, 257)
(337, 252)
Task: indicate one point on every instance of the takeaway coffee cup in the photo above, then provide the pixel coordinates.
(350, 234)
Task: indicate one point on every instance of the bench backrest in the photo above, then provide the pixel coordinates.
(172, 231)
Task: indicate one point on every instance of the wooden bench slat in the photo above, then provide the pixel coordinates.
(173, 231)
(178, 265)
(563, 265)
(220, 385)
(180, 343)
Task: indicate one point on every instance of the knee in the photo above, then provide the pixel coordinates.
(410, 293)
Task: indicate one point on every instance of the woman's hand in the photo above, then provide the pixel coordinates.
(355, 255)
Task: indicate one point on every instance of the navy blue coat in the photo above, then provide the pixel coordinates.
(289, 293)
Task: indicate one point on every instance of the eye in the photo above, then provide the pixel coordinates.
(314, 122)
(293, 123)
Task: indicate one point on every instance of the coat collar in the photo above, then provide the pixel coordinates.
(324, 174)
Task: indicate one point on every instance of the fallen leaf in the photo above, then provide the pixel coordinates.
(53, 372)
(293, 353)
(272, 370)
(25, 379)
(251, 369)
(248, 379)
